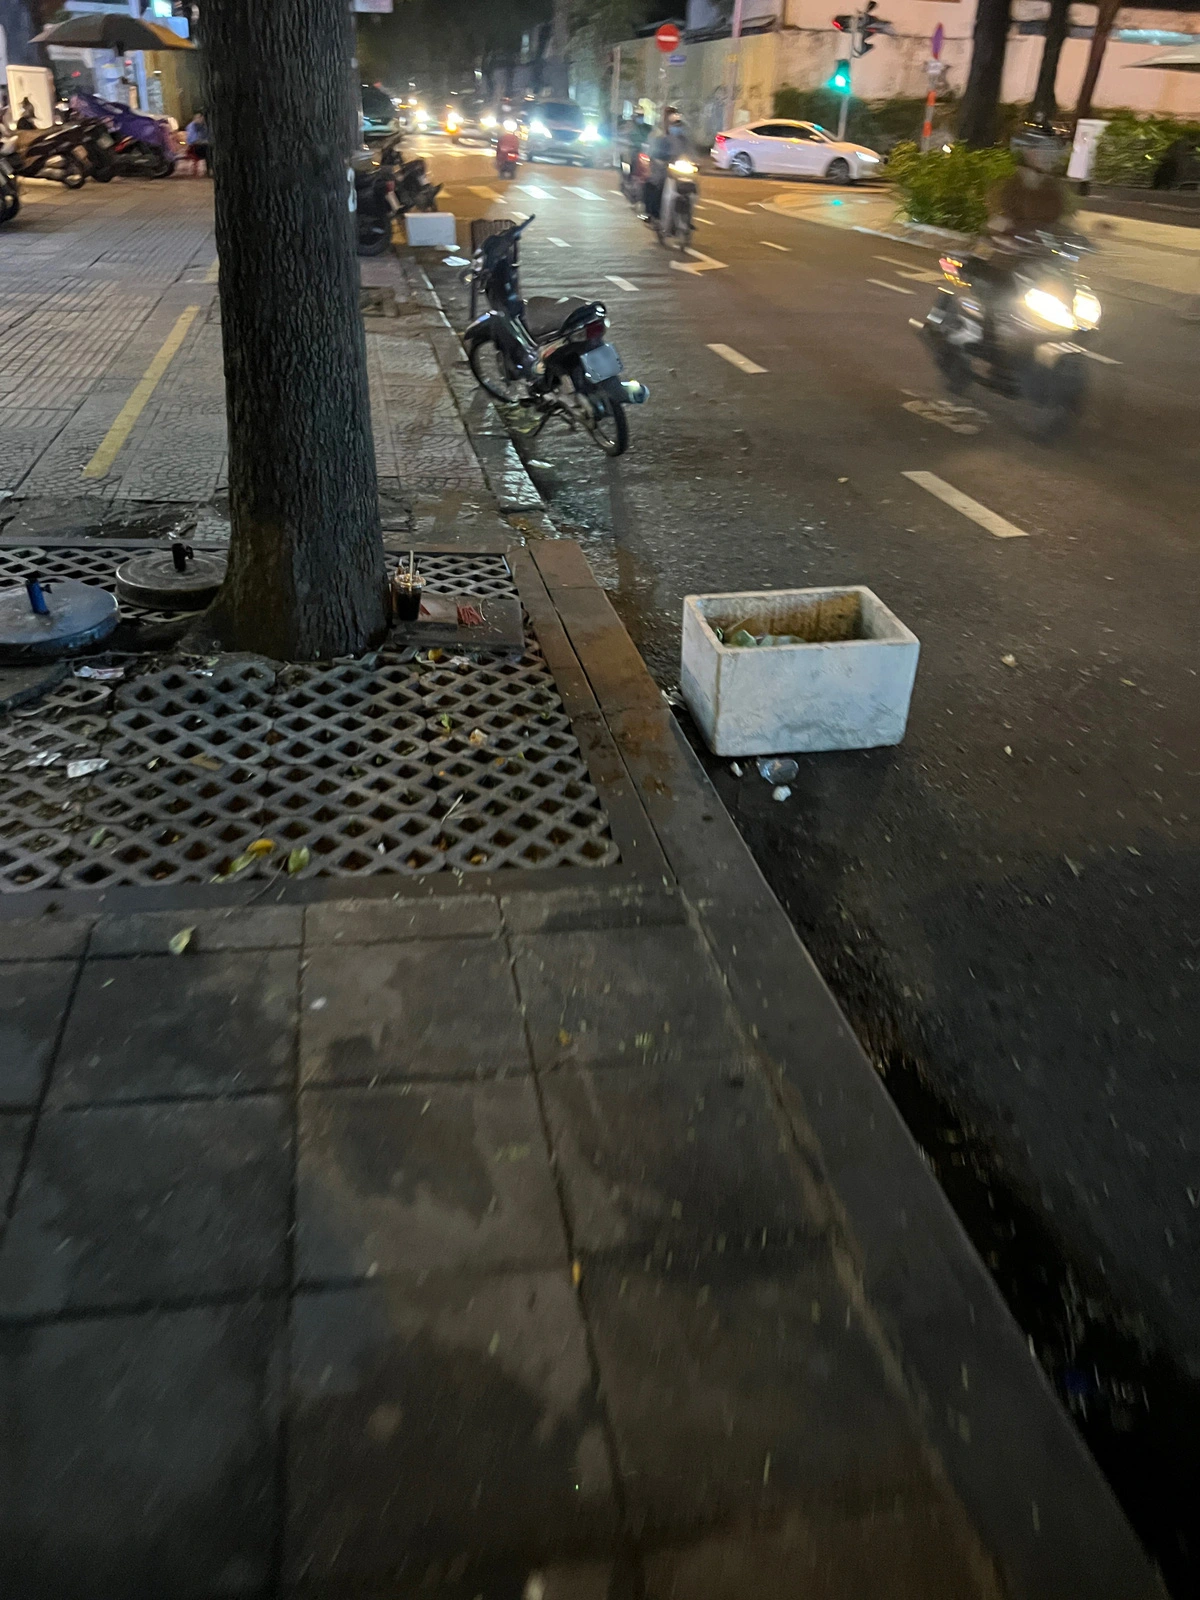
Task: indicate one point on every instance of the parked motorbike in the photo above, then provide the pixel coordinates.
(142, 146)
(544, 357)
(61, 153)
(10, 198)
(676, 220)
(1019, 324)
(385, 190)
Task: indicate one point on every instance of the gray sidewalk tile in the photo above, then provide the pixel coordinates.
(638, 995)
(448, 1177)
(441, 1419)
(126, 1037)
(148, 933)
(746, 1395)
(124, 1205)
(14, 1130)
(43, 938)
(379, 921)
(138, 1455)
(623, 905)
(438, 1009)
(903, 1551)
(33, 998)
(684, 1158)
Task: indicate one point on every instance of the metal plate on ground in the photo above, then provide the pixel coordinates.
(178, 579)
(75, 615)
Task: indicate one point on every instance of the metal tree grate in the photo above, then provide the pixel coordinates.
(378, 766)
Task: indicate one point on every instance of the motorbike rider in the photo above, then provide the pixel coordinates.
(668, 144)
(508, 148)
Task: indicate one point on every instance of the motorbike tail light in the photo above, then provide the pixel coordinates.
(389, 187)
(594, 331)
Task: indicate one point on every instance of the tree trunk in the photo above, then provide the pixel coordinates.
(306, 574)
(977, 119)
(1045, 106)
(1105, 17)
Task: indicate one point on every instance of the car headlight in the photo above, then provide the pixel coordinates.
(488, 121)
(1049, 307)
(683, 169)
(510, 125)
(590, 134)
(1086, 308)
(868, 156)
(539, 127)
(452, 123)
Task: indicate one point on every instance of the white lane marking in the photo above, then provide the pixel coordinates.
(771, 245)
(702, 263)
(1108, 361)
(908, 269)
(622, 283)
(735, 358)
(561, 243)
(948, 414)
(585, 194)
(534, 189)
(955, 498)
(484, 193)
(894, 287)
(725, 206)
(707, 221)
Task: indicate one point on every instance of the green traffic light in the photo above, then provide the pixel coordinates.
(841, 77)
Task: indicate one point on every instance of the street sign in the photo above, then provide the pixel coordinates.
(936, 43)
(677, 59)
(376, 7)
(667, 38)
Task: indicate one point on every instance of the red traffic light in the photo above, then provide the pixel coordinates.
(844, 23)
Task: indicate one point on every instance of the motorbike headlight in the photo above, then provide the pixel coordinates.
(1086, 308)
(510, 125)
(487, 120)
(539, 127)
(590, 134)
(683, 169)
(1049, 307)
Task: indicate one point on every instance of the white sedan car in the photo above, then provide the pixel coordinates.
(793, 149)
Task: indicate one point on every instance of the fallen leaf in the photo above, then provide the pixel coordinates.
(260, 847)
(477, 737)
(44, 758)
(1008, 749)
(298, 859)
(1074, 866)
(781, 792)
(446, 721)
(84, 769)
(209, 763)
(179, 942)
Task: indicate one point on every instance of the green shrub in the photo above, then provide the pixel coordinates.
(947, 189)
(1131, 147)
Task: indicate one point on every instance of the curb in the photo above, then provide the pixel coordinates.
(1036, 1498)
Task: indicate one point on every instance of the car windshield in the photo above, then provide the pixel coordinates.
(557, 111)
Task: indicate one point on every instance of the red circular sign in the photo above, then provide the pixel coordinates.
(667, 38)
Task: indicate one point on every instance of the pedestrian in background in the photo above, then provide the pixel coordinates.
(196, 137)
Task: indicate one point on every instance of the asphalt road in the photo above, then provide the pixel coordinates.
(1006, 903)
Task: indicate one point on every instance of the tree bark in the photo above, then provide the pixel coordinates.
(977, 119)
(1045, 106)
(1105, 17)
(306, 576)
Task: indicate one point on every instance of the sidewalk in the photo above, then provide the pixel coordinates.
(1153, 261)
(502, 1230)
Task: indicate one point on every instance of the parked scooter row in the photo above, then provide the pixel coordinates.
(69, 153)
(385, 187)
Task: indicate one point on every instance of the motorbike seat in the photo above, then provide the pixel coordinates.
(544, 316)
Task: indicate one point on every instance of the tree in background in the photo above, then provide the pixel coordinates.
(306, 577)
(595, 26)
(440, 44)
(1044, 107)
(978, 117)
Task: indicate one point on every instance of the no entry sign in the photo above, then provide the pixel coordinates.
(667, 38)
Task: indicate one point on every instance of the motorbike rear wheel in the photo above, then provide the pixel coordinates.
(609, 427)
(10, 203)
(374, 236)
(490, 371)
(74, 174)
(682, 226)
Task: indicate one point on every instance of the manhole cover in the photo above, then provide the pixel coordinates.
(178, 579)
(50, 617)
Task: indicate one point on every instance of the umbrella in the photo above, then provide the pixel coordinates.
(108, 30)
(1185, 59)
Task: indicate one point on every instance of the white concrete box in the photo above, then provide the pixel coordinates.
(845, 687)
(431, 227)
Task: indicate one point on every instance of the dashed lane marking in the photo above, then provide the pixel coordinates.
(584, 194)
(725, 206)
(561, 243)
(881, 283)
(484, 193)
(996, 525)
(736, 358)
(702, 263)
(771, 245)
(536, 191)
(622, 283)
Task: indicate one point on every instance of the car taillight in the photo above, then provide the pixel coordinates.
(594, 331)
(721, 137)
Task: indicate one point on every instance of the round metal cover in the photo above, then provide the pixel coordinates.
(76, 615)
(178, 579)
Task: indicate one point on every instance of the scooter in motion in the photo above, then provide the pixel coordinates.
(676, 220)
(544, 357)
(1019, 323)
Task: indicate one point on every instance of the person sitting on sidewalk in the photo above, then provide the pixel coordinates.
(196, 136)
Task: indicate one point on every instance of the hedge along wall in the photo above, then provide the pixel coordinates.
(1132, 147)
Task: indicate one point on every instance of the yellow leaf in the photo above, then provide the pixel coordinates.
(260, 847)
(209, 763)
(576, 1273)
(180, 941)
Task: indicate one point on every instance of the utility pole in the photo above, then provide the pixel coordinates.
(844, 108)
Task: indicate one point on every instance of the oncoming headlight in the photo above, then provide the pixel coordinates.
(1086, 308)
(590, 134)
(683, 169)
(539, 127)
(488, 120)
(510, 125)
(1049, 307)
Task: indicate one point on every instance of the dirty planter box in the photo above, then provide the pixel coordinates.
(431, 228)
(846, 687)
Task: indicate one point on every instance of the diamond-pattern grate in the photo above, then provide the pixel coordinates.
(385, 765)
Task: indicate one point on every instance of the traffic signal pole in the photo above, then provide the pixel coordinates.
(844, 109)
